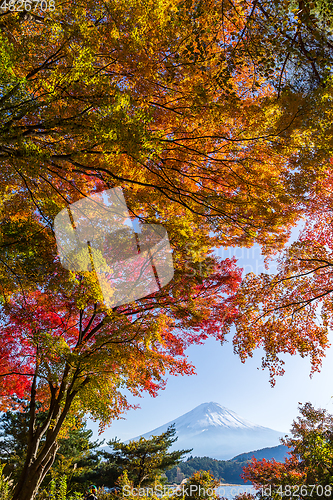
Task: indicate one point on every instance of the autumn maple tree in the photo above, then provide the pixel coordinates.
(162, 99)
(67, 351)
(291, 310)
(187, 106)
(307, 472)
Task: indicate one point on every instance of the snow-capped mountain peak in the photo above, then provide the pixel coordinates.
(215, 431)
(213, 414)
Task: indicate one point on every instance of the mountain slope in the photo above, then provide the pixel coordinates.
(279, 453)
(214, 431)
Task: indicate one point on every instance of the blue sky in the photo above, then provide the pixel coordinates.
(222, 378)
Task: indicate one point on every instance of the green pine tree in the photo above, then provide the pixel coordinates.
(144, 459)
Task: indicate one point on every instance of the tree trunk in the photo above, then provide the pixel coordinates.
(40, 459)
(34, 473)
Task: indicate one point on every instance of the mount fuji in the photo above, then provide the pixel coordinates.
(216, 432)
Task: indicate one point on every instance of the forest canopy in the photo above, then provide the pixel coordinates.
(214, 119)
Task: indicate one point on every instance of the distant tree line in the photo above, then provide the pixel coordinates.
(228, 471)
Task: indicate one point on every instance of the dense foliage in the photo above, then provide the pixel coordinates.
(76, 457)
(308, 470)
(214, 118)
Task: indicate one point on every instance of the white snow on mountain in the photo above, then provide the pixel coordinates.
(212, 414)
(217, 432)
